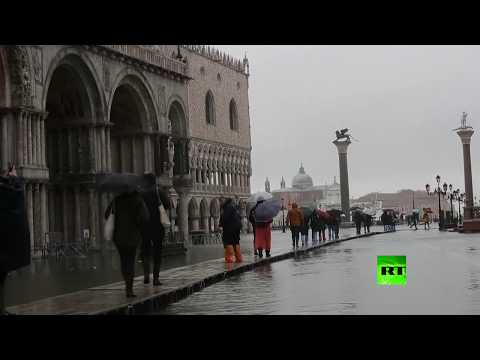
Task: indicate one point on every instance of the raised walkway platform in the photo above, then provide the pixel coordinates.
(177, 283)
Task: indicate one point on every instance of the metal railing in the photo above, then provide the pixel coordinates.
(151, 57)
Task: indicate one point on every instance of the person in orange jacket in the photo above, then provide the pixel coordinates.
(295, 220)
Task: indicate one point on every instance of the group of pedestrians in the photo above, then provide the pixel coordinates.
(316, 220)
(362, 219)
(389, 221)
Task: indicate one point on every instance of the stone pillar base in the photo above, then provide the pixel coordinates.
(471, 226)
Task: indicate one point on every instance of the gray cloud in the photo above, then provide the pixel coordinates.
(401, 102)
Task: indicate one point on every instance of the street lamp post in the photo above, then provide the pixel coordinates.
(283, 215)
(439, 191)
(451, 202)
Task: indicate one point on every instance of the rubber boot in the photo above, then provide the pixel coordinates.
(238, 254)
(260, 253)
(267, 253)
(146, 270)
(129, 287)
(156, 274)
(229, 254)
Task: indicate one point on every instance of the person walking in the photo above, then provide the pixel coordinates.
(131, 215)
(314, 224)
(426, 221)
(304, 230)
(153, 232)
(231, 224)
(15, 251)
(357, 219)
(367, 222)
(251, 219)
(294, 221)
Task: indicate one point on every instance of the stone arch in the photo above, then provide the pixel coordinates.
(138, 83)
(193, 215)
(210, 111)
(214, 214)
(178, 121)
(204, 214)
(80, 63)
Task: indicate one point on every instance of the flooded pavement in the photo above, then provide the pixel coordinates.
(48, 278)
(443, 277)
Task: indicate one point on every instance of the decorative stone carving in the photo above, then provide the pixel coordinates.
(20, 75)
(37, 58)
(171, 155)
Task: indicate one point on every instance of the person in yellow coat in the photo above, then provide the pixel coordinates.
(231, 225)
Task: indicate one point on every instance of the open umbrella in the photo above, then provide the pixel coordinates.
(267, 210)
(119, 182)
(262, 195)
(307, 212)
(322, 214)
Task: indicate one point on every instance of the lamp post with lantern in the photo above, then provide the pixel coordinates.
(440, 190)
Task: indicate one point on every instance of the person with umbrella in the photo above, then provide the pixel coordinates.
(307, 213)
(295, 221)
(230, 224)
(357, 219)
(264, 214)
(131, 216)
(153, 232)
(255, 200)
(14, 232)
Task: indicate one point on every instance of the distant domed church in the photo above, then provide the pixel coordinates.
(305, 193)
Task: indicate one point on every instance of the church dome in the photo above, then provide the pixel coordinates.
(302, 180)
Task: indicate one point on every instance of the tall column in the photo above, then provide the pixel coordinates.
(3, 141)
(108, 149)
(52, 210)
(30, 138)
(465, 133)
(182, 215)
(92, 217)
(42, 141)
(70, 150)
(103, 145)
(25, 137)
(77, 224)
(92, 150)
(146, 154)
(342, 147)
(44, 210)
(134, 154)
(65, 212)
(20, 139)
(37, 216)
(29, 191)
(36, 140)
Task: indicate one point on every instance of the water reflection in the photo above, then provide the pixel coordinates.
(341, 279)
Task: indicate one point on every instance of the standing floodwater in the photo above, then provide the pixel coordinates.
(443, 277)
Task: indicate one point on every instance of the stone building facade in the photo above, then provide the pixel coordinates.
(69, 113)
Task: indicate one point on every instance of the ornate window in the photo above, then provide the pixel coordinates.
(210, 108)
(233, 115)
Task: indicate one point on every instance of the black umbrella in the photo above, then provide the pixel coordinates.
(119, 182)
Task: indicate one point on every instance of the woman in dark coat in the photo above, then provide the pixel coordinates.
(14, 232)
(131, 215)
(231, 224)
(153, 232)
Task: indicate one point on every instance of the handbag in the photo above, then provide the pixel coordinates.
(109, 224)
(164, 220)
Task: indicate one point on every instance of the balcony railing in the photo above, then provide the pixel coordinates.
(151, 57)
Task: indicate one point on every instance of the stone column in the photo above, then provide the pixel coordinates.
(4, 139)
(146, 154)
(37, 215)
(29, 191)
(103, 145)
(182, 214)
(134, 155)
(92, 217)
(52, 210)
(44, 210)
(92, 150)
(342, 147)
(77, 225)
(36, 140)
(25, 138)
(20, 146)
(70, 150)
(65, 212)
(108, 150)
(43, 138)
(465, 134)
(30, 138)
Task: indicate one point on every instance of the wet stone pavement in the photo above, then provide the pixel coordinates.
(443, 278)
(82, 286)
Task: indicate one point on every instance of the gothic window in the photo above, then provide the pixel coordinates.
(210, 108)
(233, 116)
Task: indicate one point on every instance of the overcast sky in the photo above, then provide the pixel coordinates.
(400, 102)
